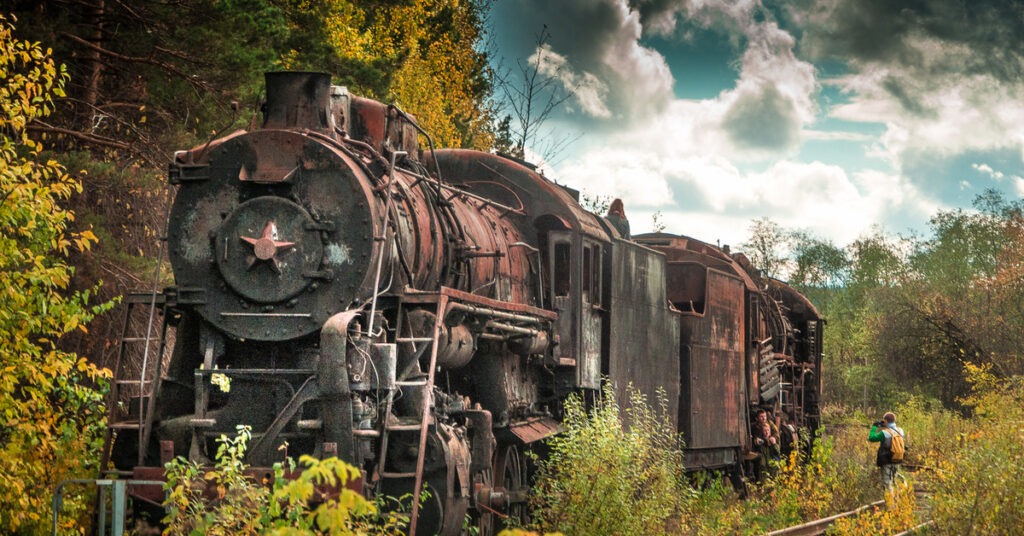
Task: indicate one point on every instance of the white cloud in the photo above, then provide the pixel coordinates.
(945, 81)
(711, 166)
(835, 135)
(642, 74)
(691, 188)
(587, 90)
(683, 161)
(987, 170)
(775, 95)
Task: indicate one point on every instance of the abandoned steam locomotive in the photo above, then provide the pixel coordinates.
(423, 313)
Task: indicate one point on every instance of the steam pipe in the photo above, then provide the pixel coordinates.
(495, 313)
(332, 379)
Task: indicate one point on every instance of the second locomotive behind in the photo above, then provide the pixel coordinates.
(422, 314)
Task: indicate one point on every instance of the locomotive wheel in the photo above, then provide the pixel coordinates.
(485, 520)
(510, 473)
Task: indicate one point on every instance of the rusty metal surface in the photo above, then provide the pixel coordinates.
(381, 127)
(332, 232)
(589, 357)
(515, 185)
(712, 406)
(713, 458)
(797, 303)
(774, 318)
(535, 429)
(413, 296)
(565, 334)
(298, 100)
(368, 121)
(680, 248)
(643, 333)
(544, 214)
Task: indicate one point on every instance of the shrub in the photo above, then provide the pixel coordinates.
(930, 429)
(50, 399)
(980, 487)
(240, 505)
(898, 515)
(603, 477)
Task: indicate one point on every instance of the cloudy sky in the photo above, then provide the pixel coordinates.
(824, 115)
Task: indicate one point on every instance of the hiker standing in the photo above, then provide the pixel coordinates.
(891, 448)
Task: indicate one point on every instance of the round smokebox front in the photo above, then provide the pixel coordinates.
(276, 238)
(270, 250)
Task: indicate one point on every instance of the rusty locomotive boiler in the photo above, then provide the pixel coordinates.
(423, 313)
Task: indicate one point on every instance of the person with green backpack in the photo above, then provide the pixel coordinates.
(892, 447)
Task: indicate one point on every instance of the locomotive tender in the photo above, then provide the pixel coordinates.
(422, 314)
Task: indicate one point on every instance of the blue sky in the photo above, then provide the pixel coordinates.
(830, 116)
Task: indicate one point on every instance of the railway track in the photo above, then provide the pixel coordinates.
(821, 526)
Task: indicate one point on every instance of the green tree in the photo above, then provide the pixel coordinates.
(423, 56)
(821, 270)
(960, 300)
(855, 368)
(818, 263)
(767, 246)
(51, 400)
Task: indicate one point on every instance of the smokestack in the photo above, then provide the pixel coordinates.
(298, 100)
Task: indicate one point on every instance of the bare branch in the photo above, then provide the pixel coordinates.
(39, 126)
(196, 83)
(531, 95)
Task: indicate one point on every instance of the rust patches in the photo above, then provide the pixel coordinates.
(535, 429)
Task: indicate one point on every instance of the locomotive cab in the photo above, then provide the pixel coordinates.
(575, 265)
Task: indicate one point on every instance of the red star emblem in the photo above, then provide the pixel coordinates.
(266, 247)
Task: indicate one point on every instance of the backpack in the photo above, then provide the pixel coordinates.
(898, 446)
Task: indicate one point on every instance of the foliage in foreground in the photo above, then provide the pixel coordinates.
(898, 515)
(602, 477)
(836, 478)
(239, 505)
(606, 478)
(979, 487)
(51, 424)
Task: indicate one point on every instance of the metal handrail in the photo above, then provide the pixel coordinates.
(384, 239)
(119, 506)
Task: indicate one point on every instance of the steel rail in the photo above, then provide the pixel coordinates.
(821, 526)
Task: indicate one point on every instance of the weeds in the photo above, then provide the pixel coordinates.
(225, 501)
(602, 477)
(898, 515)
(979, 487)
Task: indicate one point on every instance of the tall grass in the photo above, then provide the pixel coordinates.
(602, 477)
(833, 479)
(979, 485)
